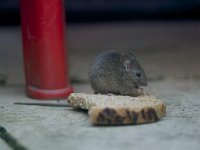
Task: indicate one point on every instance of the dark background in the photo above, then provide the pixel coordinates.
(113, 10)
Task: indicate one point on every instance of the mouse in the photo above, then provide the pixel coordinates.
(112, 72)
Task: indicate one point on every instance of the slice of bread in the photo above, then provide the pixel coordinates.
(119, 110)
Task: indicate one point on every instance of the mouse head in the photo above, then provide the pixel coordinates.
(133, 69)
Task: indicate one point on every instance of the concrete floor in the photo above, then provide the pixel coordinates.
(169, 53)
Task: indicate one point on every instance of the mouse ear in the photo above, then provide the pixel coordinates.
(126, 62)
(132, 55)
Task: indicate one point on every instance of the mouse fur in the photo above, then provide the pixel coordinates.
(116, 73)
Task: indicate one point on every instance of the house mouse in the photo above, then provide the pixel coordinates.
(114, 73)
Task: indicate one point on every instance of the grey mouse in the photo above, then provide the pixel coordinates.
(114, 73)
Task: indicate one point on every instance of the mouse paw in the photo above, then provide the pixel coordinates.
(141, 91)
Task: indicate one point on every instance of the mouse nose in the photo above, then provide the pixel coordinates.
(144, 83)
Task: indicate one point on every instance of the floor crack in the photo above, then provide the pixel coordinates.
(10, 140)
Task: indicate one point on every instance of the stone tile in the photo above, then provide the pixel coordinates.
(39, 127)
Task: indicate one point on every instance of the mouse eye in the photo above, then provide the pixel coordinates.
(138, 74)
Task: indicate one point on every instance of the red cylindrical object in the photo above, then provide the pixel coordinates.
(43, 49)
